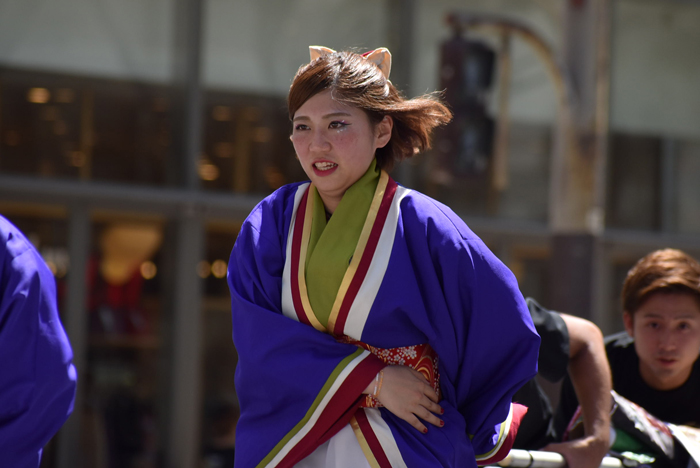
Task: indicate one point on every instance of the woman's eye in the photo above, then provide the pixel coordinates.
(337, 125)
(300, 127)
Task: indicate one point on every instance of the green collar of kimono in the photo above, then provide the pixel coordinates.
(332, 243)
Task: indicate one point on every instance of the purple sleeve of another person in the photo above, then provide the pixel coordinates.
(38, 379)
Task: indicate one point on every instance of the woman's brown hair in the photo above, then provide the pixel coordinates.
(662, 271)
(358, 82)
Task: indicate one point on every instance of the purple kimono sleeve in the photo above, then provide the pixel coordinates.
(497, 346)
(38, 379)
(297, 386)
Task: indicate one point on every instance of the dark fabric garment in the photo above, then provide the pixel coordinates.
(677, 406)
(37, 377)
(537, 428)
(219, 457)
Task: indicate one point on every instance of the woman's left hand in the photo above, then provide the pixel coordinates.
(407, 394)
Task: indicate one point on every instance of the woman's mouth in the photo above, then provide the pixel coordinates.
(324, 168)
(324, 165)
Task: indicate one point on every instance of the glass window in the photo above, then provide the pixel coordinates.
(121, 417)
(246, 144)
(220, 406)
(688, 190)
(633, 182)
(652, 184)
(64, 126)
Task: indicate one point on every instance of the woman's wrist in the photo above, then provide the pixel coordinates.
(375, 386)
(378, 381)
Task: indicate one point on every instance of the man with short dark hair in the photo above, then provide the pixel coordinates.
(655, 361)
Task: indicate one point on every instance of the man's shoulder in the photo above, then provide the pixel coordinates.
(620, 350)
(541, 314)
(554, 345)
(619, 340)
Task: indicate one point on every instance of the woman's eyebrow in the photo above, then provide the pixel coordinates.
(327, 116)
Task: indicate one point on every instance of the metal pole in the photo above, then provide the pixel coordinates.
(187, 130)
(181, 411)
(401, 33)
(534, 459)
(69, 446)
(183, 354)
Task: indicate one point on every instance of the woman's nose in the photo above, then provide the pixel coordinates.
(319, 142)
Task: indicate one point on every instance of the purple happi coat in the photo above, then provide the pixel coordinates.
(37, 377)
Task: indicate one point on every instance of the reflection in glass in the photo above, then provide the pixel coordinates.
(66, 126)
(220, 406)
(122, 392)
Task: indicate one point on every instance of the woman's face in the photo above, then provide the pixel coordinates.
(666, 331)
(335, 144)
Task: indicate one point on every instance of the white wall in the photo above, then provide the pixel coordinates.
(115, 38)
(258, 46)
(655, 85)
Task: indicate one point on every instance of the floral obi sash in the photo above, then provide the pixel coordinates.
(420, 357)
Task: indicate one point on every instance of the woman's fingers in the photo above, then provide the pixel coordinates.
(434, 408)
(407, 394)
(429, 417)
(429, 391)
(415, 422)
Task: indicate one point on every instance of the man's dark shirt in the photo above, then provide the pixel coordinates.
(537, 428)
(678, 406)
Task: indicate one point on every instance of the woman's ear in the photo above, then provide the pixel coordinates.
(383, 131)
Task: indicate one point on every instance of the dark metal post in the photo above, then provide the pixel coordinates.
(182, 309)
(182, 353)
(187, 94)
(75, 323)
(401, 31)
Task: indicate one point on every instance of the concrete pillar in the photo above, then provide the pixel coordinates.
(577, 193)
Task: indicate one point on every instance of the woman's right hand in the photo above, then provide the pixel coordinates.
(407, 394)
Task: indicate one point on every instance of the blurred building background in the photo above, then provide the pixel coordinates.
(136, 135)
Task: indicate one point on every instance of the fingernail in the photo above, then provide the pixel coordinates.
(442, 423)
(425, 431)
(442, 410)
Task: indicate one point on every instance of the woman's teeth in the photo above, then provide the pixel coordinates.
(324, 166)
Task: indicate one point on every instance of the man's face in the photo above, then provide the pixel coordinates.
(666, 331)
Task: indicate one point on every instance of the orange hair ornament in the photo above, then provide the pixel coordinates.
(380, 57)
